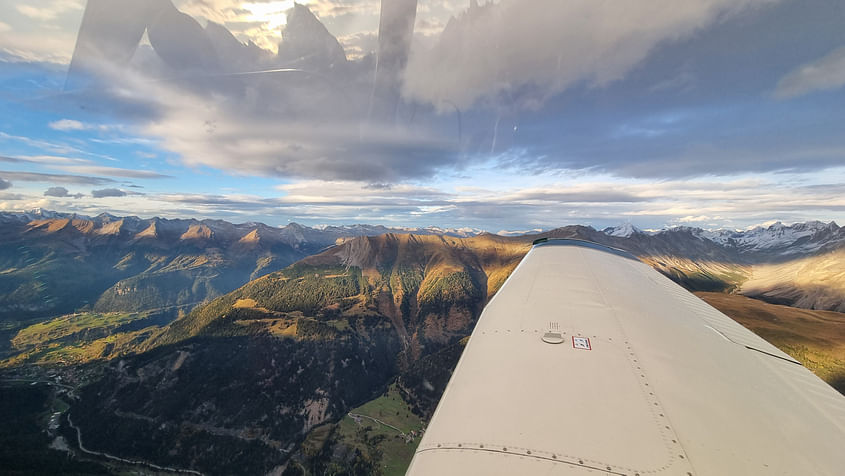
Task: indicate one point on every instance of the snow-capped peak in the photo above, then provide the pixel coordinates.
(625, 230)
(776, 235)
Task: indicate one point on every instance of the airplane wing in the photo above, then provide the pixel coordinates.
(588, 361)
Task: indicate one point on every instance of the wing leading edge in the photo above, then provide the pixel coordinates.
(589, 361)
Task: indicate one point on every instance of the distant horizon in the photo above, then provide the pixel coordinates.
(513, 232)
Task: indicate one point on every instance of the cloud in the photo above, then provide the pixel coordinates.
(304, 123)
(56, 192)
(258, 21)
(543, 93)
(697, 160)
(580, 195)
(354, 193)
(67, 125)
(526, 52)
(684, 81)
(36, 48)
(112, 171)
(335, 8)
(4, 184)
(61, 192)
(824, 74)
(315, 126)
(43, 159)
(57, 178)
(698, 219)
(526, 202)
(49, 10)
(327, 138)
(359, 44)
(108, 192)
(54, 147)
(546, 205)
(39, 31)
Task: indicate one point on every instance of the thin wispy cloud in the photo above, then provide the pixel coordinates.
(112, 171)
(54, 178)
(825, 74)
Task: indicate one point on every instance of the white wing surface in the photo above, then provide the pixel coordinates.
(588, 361)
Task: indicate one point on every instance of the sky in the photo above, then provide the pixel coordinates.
(513, 114)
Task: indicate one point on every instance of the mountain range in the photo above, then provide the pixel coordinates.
(54, 263)
(300, 326)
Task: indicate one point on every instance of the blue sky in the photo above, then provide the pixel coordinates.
(517, 115)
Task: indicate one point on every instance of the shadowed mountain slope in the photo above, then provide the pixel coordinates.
(295, 349)
(53, 263)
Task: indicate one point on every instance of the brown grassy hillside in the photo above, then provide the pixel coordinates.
(814, 338)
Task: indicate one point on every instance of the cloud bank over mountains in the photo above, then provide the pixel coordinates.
(531, 100)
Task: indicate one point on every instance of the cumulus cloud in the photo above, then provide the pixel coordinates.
(524, 52)
(824, 74)
(4, 184)
(56, 192)
(108, 192)
(61, 192)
